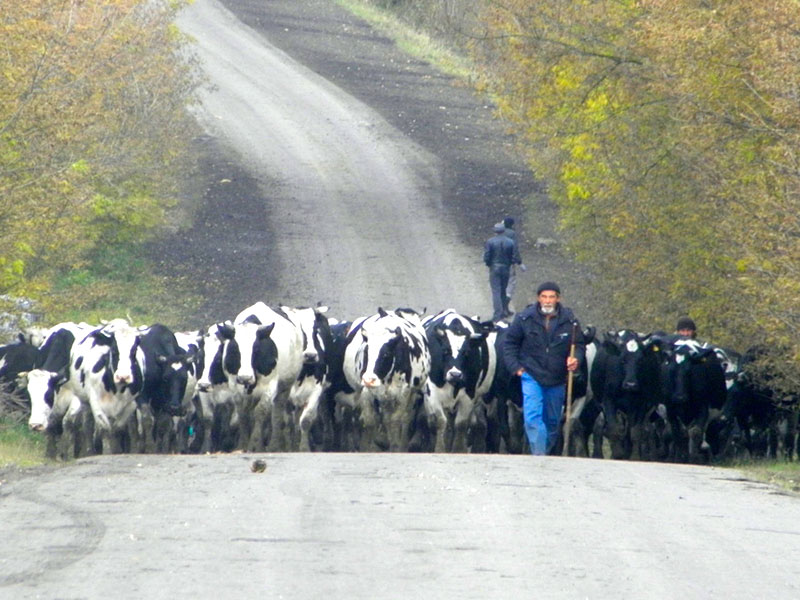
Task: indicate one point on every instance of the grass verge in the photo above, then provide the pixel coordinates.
(20, 447)
(785, 475)
(415, 43)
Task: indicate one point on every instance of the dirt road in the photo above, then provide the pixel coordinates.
(314, 180)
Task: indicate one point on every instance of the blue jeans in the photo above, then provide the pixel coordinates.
(541, 410)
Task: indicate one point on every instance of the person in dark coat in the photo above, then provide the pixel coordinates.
(508, 222)
(537, 348)
(685, 327)
(498, 255)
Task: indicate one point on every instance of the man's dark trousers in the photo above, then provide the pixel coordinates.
(498, 281)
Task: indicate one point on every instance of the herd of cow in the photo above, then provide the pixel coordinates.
(289, 379)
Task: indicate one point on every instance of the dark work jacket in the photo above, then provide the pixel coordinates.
(499, 250)
(542, 353)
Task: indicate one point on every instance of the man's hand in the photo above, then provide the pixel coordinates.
(572, 363)
(522, 267)
(519, 372)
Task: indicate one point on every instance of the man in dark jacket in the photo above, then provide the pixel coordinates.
(537, 348)
(508, 222)
(499, 255)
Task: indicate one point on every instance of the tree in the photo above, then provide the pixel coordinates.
(667, 132)
(92, 120)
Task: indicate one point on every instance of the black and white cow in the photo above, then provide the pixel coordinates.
(218, 417)
(463, 362)
(269, 347)
(308, 390)
(626, 381)
(694, 382)
(386, 364)
(106, 373)
(165, 368)
(55, 408)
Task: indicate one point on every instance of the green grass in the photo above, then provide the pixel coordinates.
(19, 446)
(414, 43)
(120, 281)
(785, 475)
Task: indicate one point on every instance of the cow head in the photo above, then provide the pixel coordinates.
(253, 351)
(42, 388)
(210, 370)
(123, 341)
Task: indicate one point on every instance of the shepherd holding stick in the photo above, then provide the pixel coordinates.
(542, 346)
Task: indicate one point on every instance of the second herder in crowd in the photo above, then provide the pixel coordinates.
(537, 348)
(499, 255)
(508, 222)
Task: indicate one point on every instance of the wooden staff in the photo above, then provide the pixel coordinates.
(570, 377)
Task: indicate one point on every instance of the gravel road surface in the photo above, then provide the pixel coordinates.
(339, 170)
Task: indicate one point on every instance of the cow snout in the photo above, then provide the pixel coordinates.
(36, 426)
(245, 379)
(204, 386)
(454, 376)
(123, 379)
(370, 381)
(310, 357)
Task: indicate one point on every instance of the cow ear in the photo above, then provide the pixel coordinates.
(265, 331)
(398, 332)
(321, 309)
(382, 312)
(225, 331)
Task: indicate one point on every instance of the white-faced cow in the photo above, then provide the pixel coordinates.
(269, 348)
(55, 408)
(463, 363)
(306, 392)
(386, 363)
(216, 388)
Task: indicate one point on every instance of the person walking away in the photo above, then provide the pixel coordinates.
(537, 348)
(498, 255)
(508, 222)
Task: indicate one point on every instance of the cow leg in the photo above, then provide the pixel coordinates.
(264, 412)
(477, 428)
(516, 429)
(71, 430)
(461, 423)
(434, 408)
(597, 436)
(369, 423)
(145, 422)
(308, 417)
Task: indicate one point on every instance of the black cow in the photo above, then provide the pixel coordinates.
(694, 382)
(626, 382)
(765, 420)
(15, 358)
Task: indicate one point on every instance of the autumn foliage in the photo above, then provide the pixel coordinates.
(93, 122)
(668, 133)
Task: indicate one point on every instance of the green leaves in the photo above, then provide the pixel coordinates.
(671, 130)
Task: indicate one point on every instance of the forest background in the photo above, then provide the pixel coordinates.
(667, 133)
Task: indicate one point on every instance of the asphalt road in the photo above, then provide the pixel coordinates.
(369, 525)
(394, 526)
